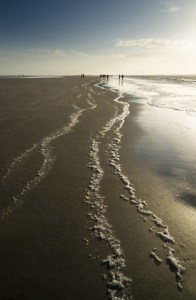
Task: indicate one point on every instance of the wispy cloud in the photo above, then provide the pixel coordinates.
(149, 43)
(142, 48)
(169, 7)
(55, 52)
(26, 55)
(95, 56)
(48, 53)
(40, 53)
(145, 54)
(179, 45)
(77, 53)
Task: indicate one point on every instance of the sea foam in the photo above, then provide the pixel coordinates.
(139, 204)
(47, 153)
(102, 229)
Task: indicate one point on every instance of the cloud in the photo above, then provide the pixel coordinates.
(149, 43)
(157, 54)
(95, 56)
(40, 53)
(27, 55)
(141, 48)
(169, 7)
(73, 52)
(145, 54)
(49, 52)
(178, 45)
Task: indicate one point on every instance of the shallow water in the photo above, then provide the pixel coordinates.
(161, 161)
(178, 93)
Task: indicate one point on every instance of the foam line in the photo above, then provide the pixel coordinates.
(156, 257)
(175, 262)
(102, 230)
(114, 152)
(48, 157)
(19, 160)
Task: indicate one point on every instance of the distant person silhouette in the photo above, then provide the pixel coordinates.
(122, 76)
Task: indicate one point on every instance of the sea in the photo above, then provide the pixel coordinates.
(168, 107)
(171, 92)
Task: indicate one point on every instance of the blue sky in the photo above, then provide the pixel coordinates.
(93, 37)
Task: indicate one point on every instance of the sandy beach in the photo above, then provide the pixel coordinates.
(61, 142)
(42, 247)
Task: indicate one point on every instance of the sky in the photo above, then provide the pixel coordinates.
(70, 37)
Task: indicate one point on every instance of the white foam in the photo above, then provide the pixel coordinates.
(145, 212)
(19, 160)
(102, 230)
(180, 286)
(47, 153)
(156, 257)
(158, 221)
(166, 236)
(114, 147)
(123, 197)
(175, 262)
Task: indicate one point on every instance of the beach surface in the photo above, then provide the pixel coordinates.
(67, 226)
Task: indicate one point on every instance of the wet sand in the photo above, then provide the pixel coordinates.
(44, 231)
(158, 152)
(43, 254)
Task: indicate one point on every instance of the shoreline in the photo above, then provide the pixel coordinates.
(163, 200)
(142, 160)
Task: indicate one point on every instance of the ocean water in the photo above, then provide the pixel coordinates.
(168, 108)
(172, 92)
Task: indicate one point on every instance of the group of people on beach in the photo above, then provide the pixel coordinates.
(104, 75)
(107, 76)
